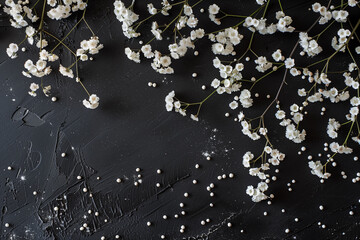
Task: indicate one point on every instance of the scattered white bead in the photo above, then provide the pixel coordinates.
(54, 99)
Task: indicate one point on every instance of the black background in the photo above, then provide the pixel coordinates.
(131, 129)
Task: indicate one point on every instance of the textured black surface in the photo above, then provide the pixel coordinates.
(131, 129)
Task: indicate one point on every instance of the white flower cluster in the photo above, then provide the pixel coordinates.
(341, 149)
(260, 25)
(127, 17)
(350, 82)
(326, 14)
(178, 50)
(12, 50)
(257, 194)
(225, 41)
(231, 77)
(343, 38)
(323, 11)
(18, 10)
(262, 64)
(188, 18)
(213, 10)
(39, 69)
(318, 169)
(33, 87)
(66, 72)
(275, 158)
(91, 46)
(310, 46)
(292, 132)
(245, 98)
(161, 64)
(172, 104)
(332, 128)
(92, 103)
(64, 9)
(156, 31)
(246, 130)
(132, 55)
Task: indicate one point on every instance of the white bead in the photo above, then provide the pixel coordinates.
(54, 99)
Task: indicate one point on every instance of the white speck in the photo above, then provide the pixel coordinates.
(54, 99)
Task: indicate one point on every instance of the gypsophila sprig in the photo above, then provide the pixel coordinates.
(23, 15)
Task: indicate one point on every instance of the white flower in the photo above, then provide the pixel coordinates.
(214, 9)
(66, 72)
(317, 169)
(12, 50)
(215, 83)
(152, 10)
(280, 114)
(169, 101)
(132, 55)
(250, 190)
(245, 98)
(233, 105)
(165, 61)
(289, 63)
(262, 186)
(92, 103)
(194, 117)
(277, 55)
(34, 87)
(217, 48)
